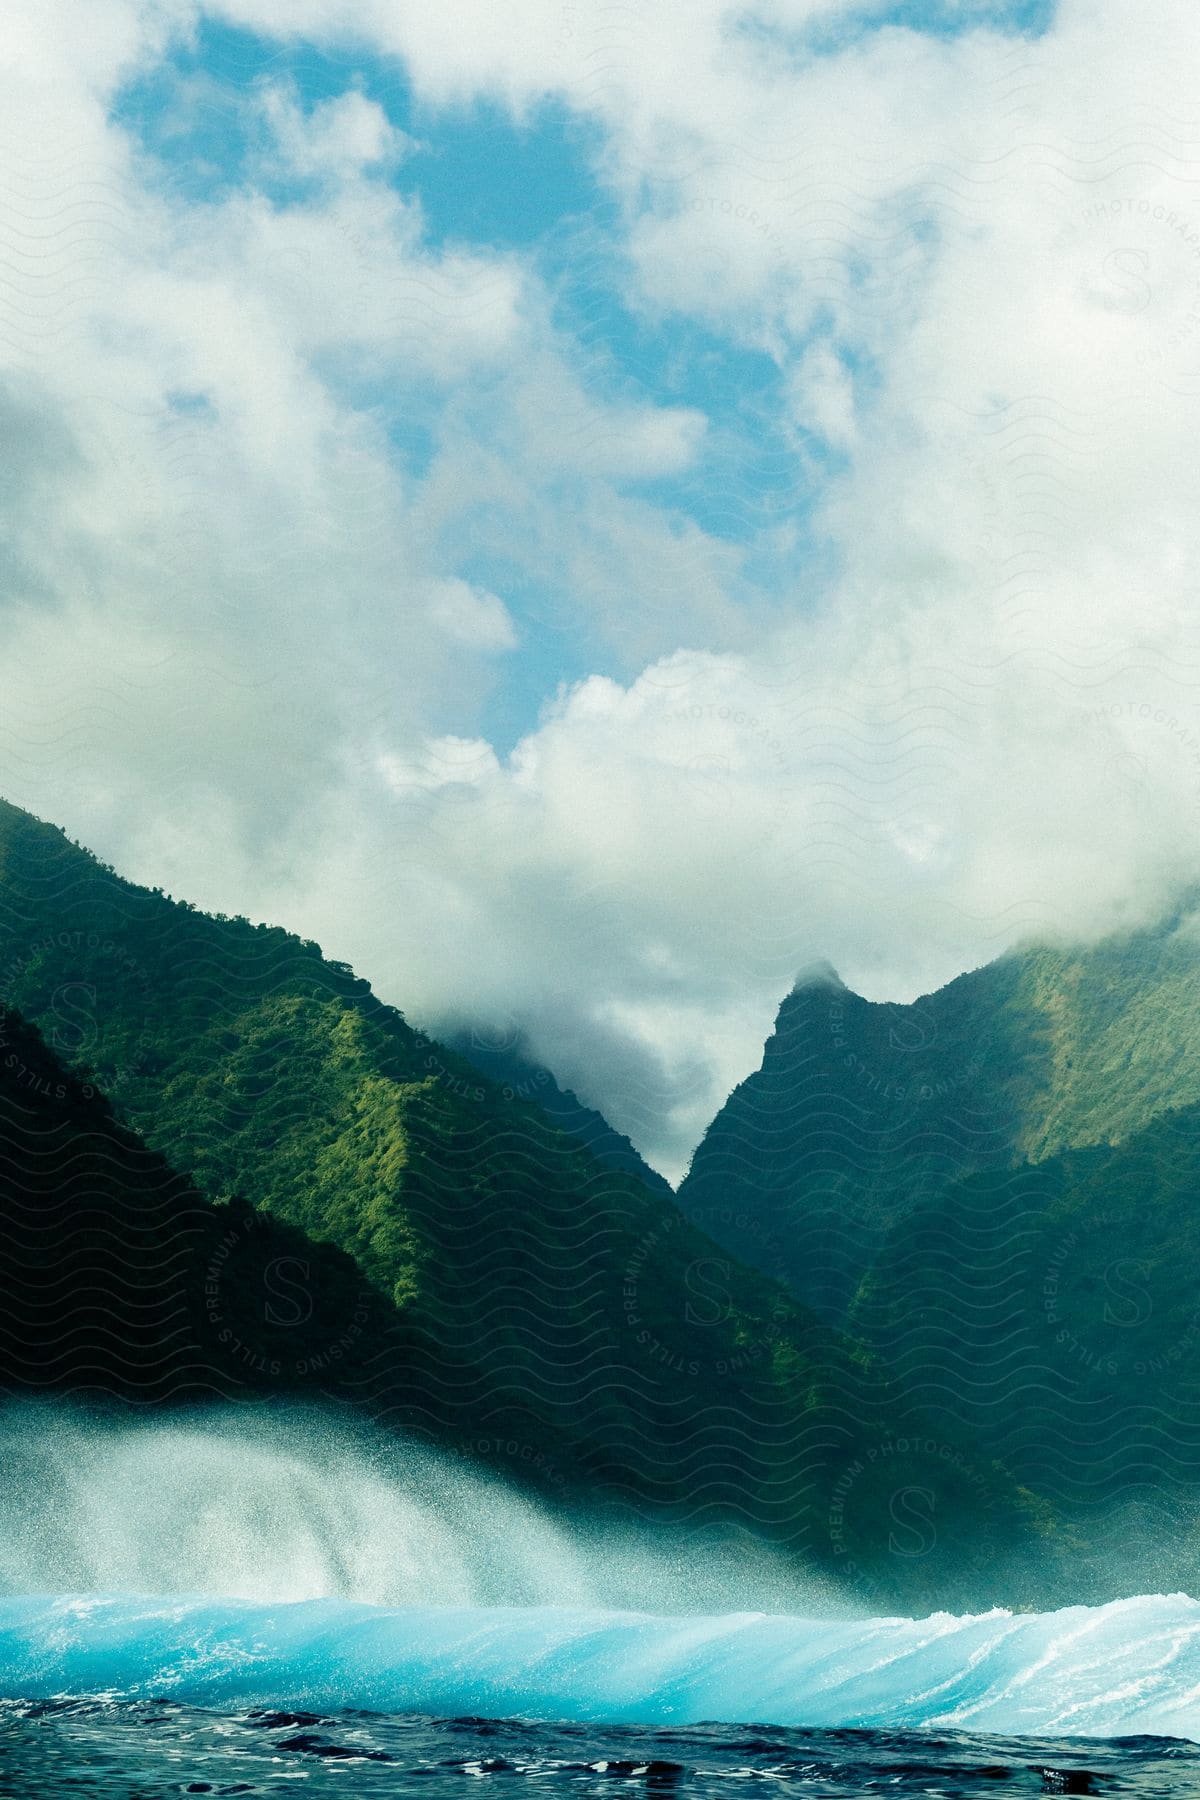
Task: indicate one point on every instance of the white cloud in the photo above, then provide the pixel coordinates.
(471, 615)
(337, 138)
(441, 763)
(215, 510)
(239, 654)
(821, 396)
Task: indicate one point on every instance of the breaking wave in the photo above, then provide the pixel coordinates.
(1132, 1667)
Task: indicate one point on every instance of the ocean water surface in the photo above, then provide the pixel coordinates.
(148, 1695)
(153, 1749)
(281, 1607)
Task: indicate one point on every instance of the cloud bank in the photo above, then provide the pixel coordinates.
(262, 433)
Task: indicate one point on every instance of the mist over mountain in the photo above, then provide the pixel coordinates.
(981, 1204)
(599, 897)
(508, 1061)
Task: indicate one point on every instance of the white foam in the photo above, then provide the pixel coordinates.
(1130, 1667)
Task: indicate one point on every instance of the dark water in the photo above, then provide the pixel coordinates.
(145, 1750)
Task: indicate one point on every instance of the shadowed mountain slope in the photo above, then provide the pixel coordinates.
(1050, 1313)
(120, 1281)
(861, 1112)
(573, 1317)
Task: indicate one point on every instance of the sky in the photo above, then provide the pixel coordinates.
(585, 510)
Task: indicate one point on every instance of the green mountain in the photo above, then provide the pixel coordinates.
(543, 1309)
(862, 1112)
(1050, 1313)
(995, 1190)
(121, 1282)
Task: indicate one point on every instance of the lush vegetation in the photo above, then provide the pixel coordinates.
(995, 1189)
(1050, 1313)
(861, 1112)
(121, 1282)
(541, 1306)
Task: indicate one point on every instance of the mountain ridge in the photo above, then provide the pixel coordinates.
(512, 1066)
(860, 1109)
(575, 1314)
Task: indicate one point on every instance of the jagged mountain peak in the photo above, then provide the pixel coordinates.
(861, 1111)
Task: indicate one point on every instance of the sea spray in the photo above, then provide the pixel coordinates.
(295, 1503)
(290, 1558)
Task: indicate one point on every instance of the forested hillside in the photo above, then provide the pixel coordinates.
(861, 1112)
(1051, 1314)
(574, 1321)
(121, 1282)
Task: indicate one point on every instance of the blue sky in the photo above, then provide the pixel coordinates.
(529, 186)
(585, 511)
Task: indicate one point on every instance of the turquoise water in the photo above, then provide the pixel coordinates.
(1130, 1668)
(278, 1608)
